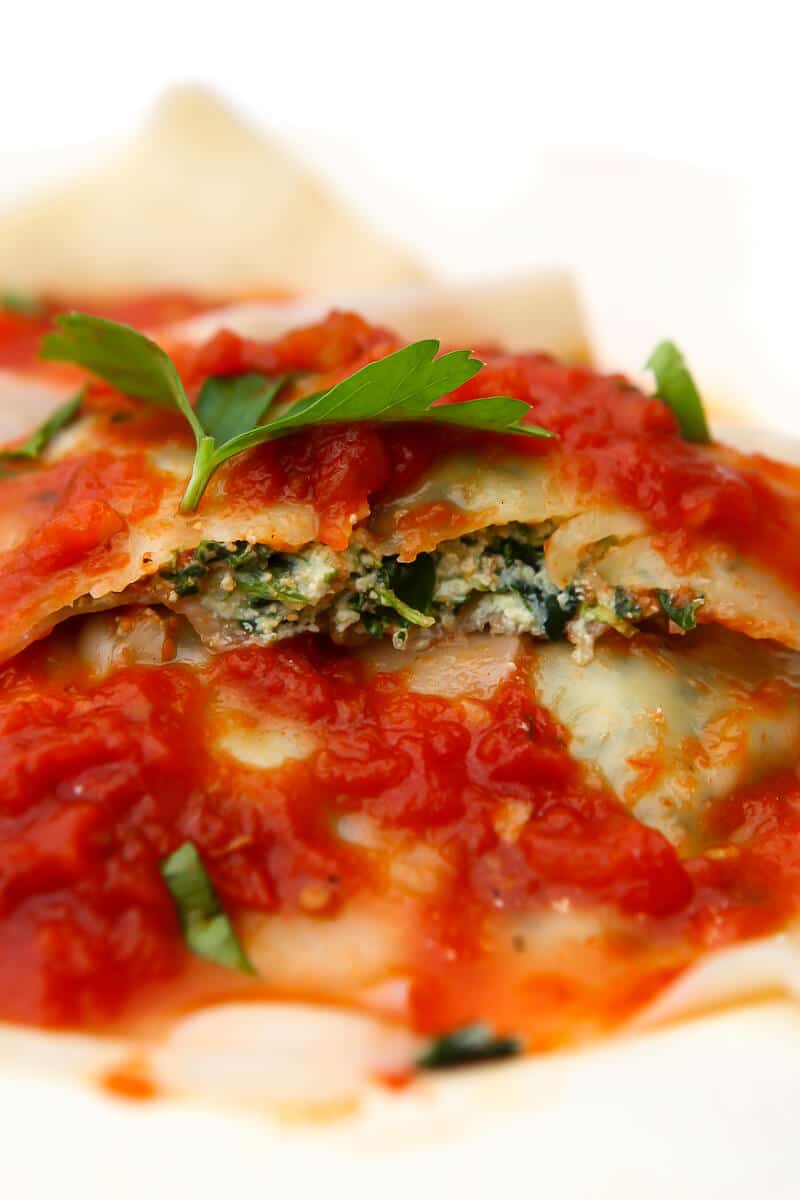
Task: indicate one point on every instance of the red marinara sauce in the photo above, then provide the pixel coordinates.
(24, 320)
(612, 442)
(104, 778)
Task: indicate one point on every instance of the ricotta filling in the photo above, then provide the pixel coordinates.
(494, 580)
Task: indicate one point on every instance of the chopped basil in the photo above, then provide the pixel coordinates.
(206, 928)
(403, 386)
(675, 386)
(41, 437)
(470, 1044)
(682, 615)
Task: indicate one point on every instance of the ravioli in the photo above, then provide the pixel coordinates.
(457, 729)
(336, 807)
(405, 532)
(675, 726)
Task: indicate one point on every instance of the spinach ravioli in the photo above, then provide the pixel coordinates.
(461, 695)
(495, 579)
(492, 580)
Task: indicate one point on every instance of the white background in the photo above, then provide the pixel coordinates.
(651, 148)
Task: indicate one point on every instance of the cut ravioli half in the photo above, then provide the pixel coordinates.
(403, 531)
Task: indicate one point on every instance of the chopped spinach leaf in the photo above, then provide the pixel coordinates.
(682, 615)
(559, 611)
(608, 616)
(413, 582)
(514, 550)
(276, 583)
(185, 580)
(625, 606)
(374, 622)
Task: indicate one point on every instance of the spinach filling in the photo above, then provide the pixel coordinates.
(266, 593)
(552, 608)
(495, 579)
(391, 598)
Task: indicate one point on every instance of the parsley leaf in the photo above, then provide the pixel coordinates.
(41, 437)
(232, 404)
(470, 1044)
(125, 358)
(404, 386)
(675, 386)
(206, 928)
(682, 615)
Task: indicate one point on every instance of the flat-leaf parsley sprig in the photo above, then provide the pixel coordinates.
(231, 410)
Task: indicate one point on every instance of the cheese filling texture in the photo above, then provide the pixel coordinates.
(495, 580)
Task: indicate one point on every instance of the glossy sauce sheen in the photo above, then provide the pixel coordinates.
(104, 778)
(616, 444)
(21, 332)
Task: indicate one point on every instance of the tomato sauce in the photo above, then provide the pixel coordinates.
(624, 446)
(24, 322)
(72, 511)
(103, 779)
(612, 441)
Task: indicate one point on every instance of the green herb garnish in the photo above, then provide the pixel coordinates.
(205, 926)
(41, 437)
(229, 405)
(404, 386)
(21, 304)
(470, 1044)
(682, 615)
(675, 386)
